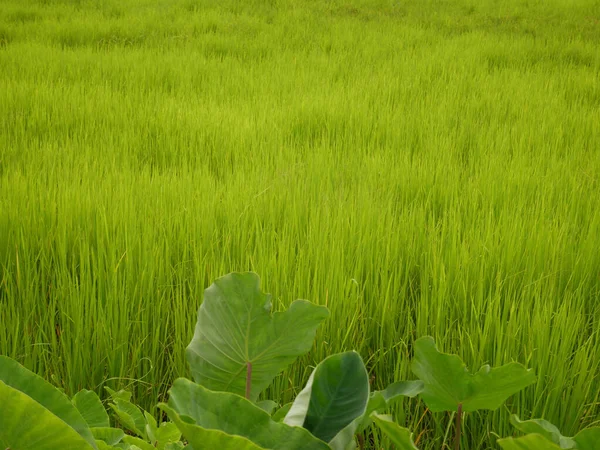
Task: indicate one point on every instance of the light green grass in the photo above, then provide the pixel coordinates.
(420, 167)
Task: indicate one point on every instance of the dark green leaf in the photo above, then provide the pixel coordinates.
(401, 437)
(279, 415)
(448, 383)
(588, 439)
(334, 397)
(234, 415)
(235, 327)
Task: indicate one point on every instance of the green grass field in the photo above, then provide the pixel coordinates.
(420, 167)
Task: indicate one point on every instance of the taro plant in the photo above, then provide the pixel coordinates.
(238, 348)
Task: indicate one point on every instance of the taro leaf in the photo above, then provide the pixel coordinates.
(110, 436)
(233, 415)
(529, 442)
(588, 439)
(543, 427)
(26, 424)
(447, 383)
(267, 405)
(176, 446)
(38, 389)
(122, 394)
(129, 415)
(163, 434)
(400, 436)
(90, 407)
(380, 400)
(279, 415)
(143, 445)
(335, 396)
(235, 328)
(200, 437)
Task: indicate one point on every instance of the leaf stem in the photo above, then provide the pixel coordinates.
(458, 425)
(248, 379)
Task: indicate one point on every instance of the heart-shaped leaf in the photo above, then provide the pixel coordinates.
(447, 383)
(129, 414)
(26, 424)
(90, 407)
(335, 396)
(237, 337)
(38, 389)
(588, 439)
(234, 415)
(110, 436)
(401, 437)
(529, 442)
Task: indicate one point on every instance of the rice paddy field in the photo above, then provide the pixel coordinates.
(420, 167)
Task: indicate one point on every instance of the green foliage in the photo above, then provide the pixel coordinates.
(91, 409)
(237, 337)
(587, 439)
(448, 384)
(233, 415)
(400, 437)
(335, 396)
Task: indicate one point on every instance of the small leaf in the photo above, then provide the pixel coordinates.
(89, 405)
(122, 394)
(279, 415)
(26, 424)
(447, 383)
(400, 436)
(267, 405)
(167, 433)
(203, 438)
(544, 428)
(334, 397)
(235, 327)
(110, 436)
(130, 416)
(529, 442)
(234, 415)
(380, 400)
(18, 377)
(143, 445)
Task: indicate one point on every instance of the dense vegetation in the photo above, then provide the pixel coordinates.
(420, 168)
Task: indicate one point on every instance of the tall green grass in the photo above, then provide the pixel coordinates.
(420, 167)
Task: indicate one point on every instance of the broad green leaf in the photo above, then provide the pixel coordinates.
(544, 428)
(18, 377)
(279, 415)
(26, 424)
(447, 383)
(235, 328)
(588, 439)
(110, 436)
(400, 436)
(175, 446)
(235, 415)
(267, 405)
(203, 438)
(529, 442)
(90, 407)
(336, 395)
(380, 400)
(130, 416)
(143, 445)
